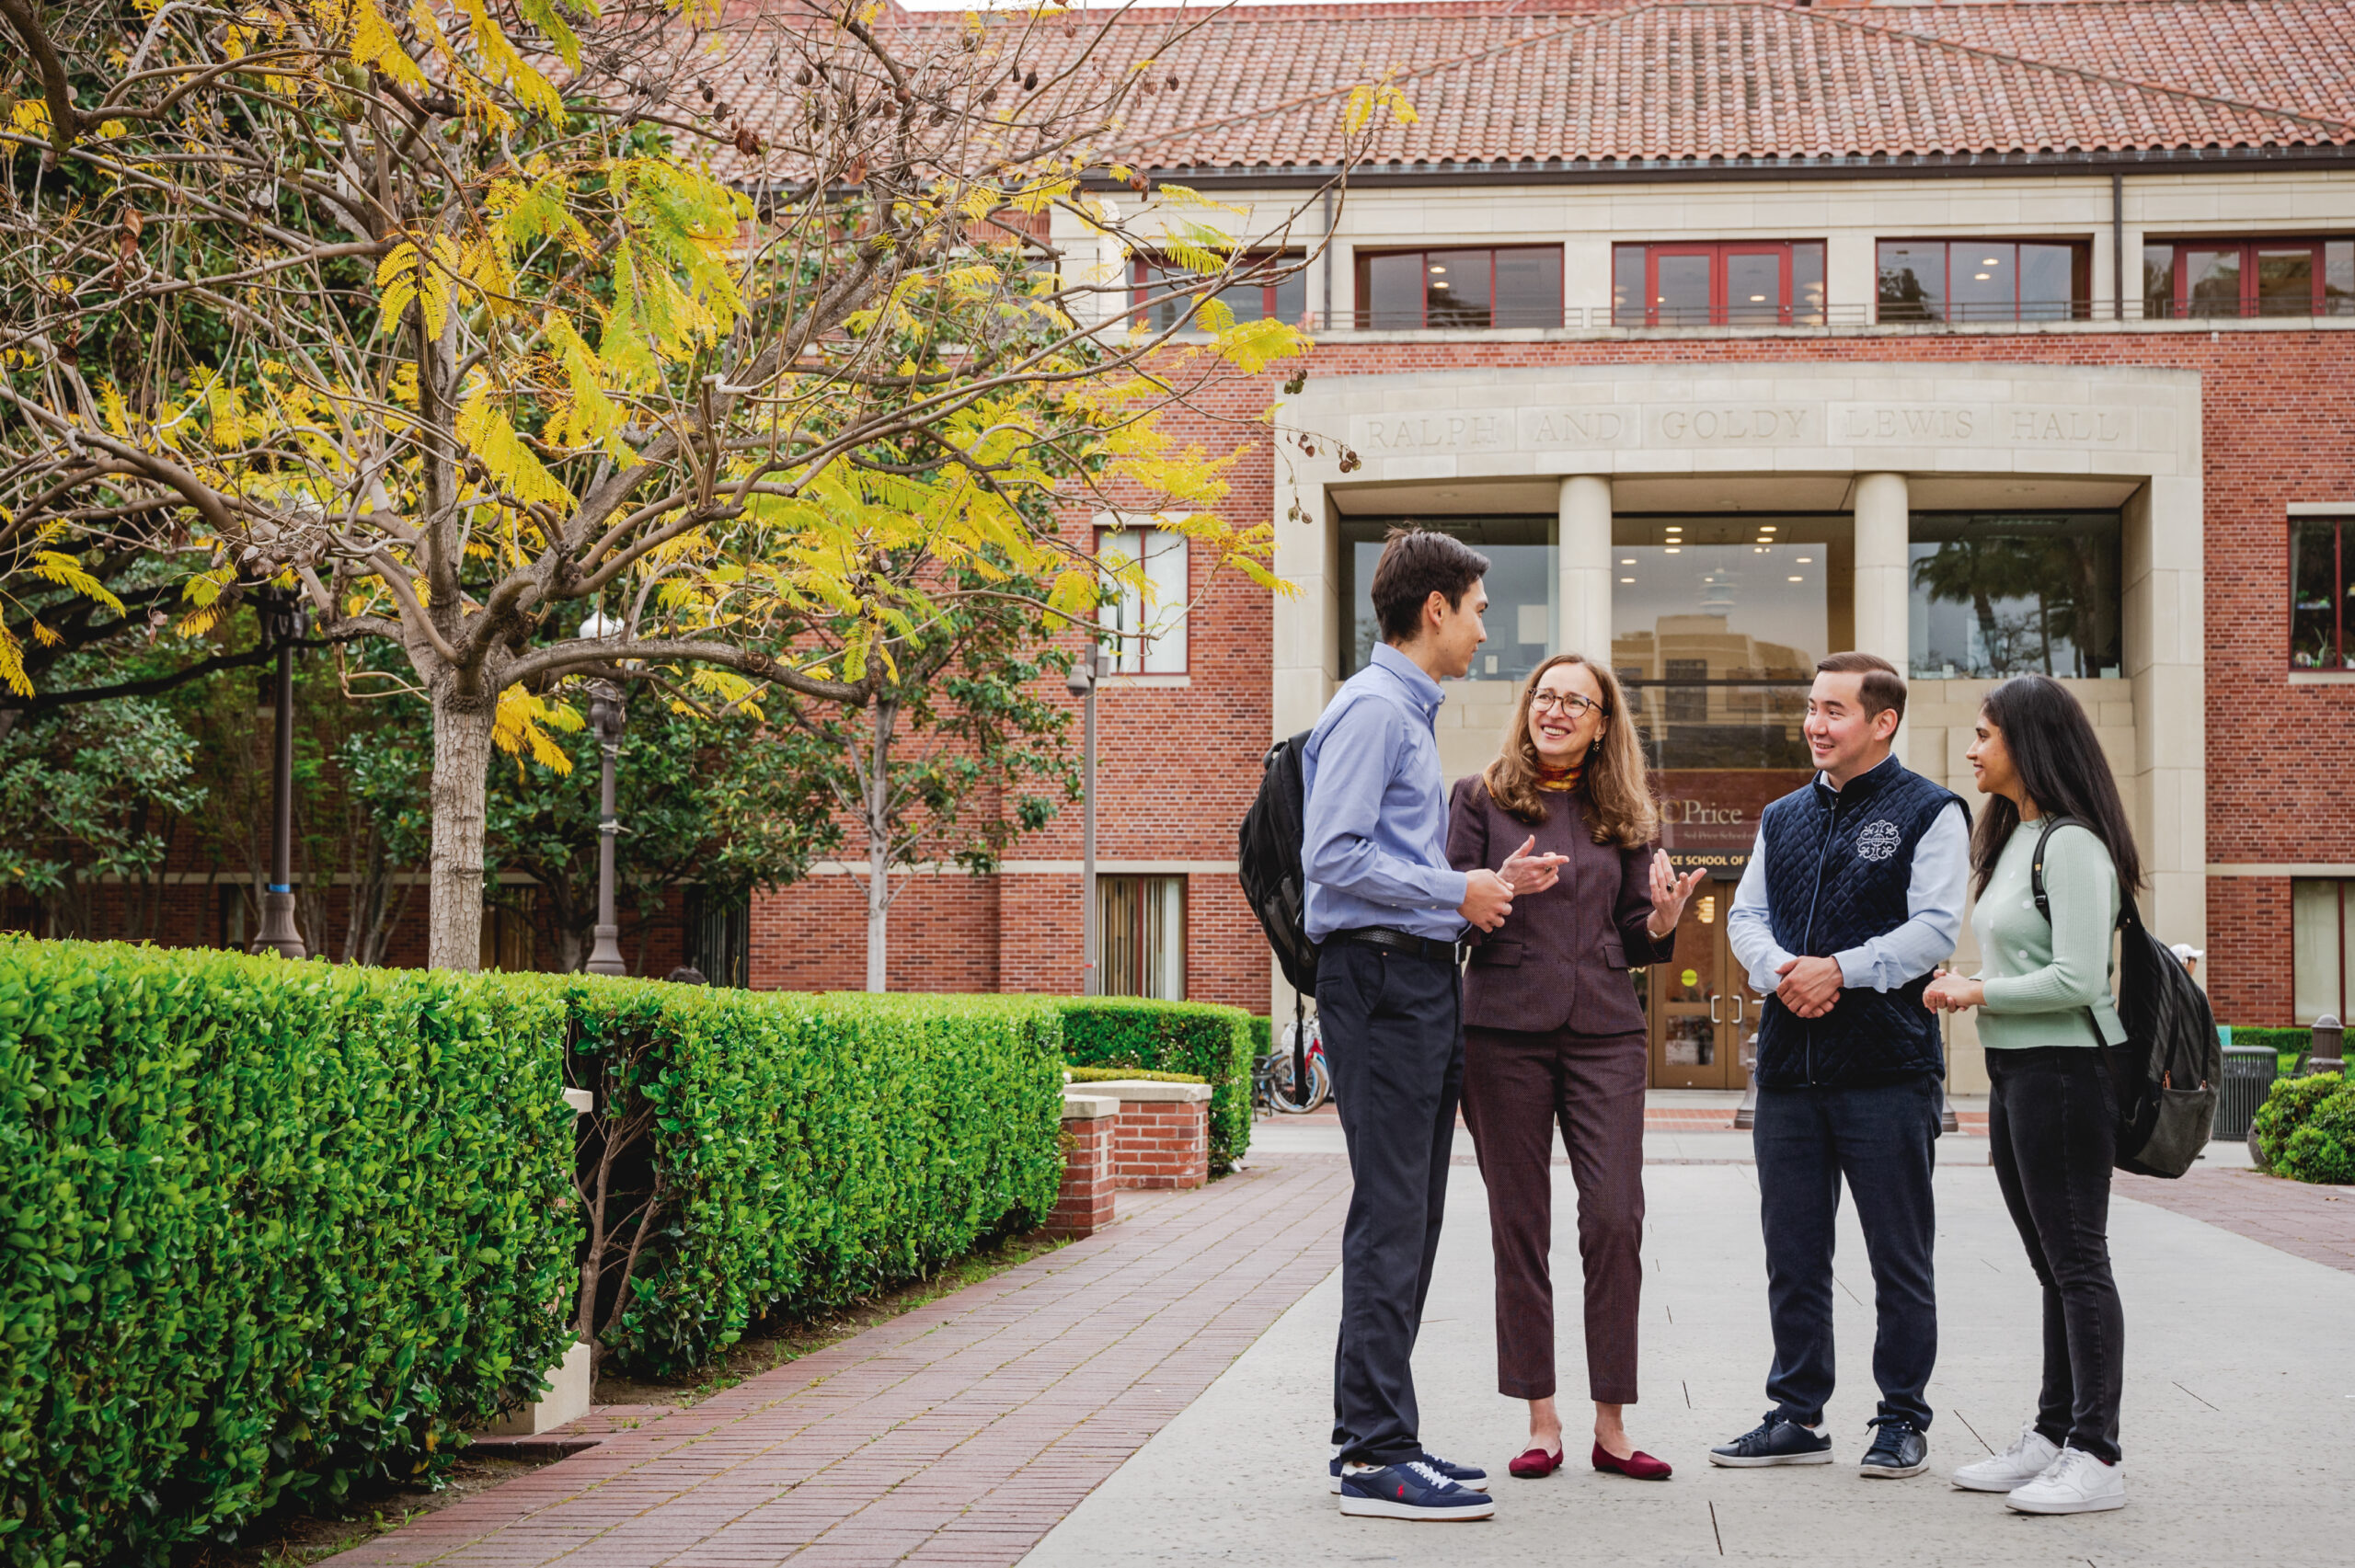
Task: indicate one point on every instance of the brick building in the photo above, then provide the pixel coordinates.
(1992, 338)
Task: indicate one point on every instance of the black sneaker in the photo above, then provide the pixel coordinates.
(1776, 1440)
(1898, 1450)
(1411, 1490)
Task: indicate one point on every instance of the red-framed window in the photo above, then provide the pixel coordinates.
(1144, 616)
(2322, 593)
(1405, 291)
(1984, 280)
(1266, 286)
(1731, 284)
(2288, 276)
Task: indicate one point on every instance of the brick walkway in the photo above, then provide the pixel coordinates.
(2307, 1222)
(959, 1433)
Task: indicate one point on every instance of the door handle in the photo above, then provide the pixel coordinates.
(1738, 1009)
(1716, 1001)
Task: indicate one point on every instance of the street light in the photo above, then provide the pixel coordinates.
(606, 717)
(1081, 683)
(278, 934)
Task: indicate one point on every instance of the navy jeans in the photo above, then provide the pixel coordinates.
(1880, 1138)
(2053, 1124)
(1394, 1039)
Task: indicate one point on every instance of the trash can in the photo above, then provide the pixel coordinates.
(2249, 1073)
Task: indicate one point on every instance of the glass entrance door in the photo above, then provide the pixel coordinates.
(1701, 1007)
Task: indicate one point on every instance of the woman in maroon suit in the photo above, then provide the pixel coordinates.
(1552, 1030)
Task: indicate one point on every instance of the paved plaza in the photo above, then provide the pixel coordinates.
(1159, 1393)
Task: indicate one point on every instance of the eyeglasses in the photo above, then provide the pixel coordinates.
(1571, 703)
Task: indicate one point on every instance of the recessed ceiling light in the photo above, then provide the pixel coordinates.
(1626, 579)
(1799, 579)
(1992, 262)
(1758, 299)
(1436, 271)
(1673, 550)
(1807, 560)
(1627, 560)
(1767, 527)
(1976, 277)
(1758, 549)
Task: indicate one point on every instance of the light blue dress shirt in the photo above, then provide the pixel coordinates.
(1933, 910)
(1377, 842)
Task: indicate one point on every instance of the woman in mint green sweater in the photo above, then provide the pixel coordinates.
(2043, 996)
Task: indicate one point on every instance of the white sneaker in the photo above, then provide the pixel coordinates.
(2076, 1484)
(2030, 1455)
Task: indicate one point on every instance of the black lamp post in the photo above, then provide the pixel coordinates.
(606, 716)
(1081, 683)
(278, 934)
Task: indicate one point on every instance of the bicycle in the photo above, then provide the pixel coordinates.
(1272, 1089)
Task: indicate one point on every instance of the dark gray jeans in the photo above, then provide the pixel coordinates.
(2052, 1121)
(1394, 1039)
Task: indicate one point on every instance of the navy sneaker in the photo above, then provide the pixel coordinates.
(1776, 1440)
(1410, 1490)
(1899, 1450)
(1463, 1475)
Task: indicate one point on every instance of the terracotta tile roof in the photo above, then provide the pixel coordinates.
(1701, 79)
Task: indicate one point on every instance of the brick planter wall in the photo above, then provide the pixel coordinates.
(1084, 1203)
(1163, 1136)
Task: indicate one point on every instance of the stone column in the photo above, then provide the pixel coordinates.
(1882, 602)
(1583, 561)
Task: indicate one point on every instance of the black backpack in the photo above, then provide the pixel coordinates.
(1267, 861)
(2165, 1074)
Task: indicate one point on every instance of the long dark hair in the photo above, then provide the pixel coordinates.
(2061, 765)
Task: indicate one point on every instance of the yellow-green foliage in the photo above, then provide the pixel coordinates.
(263, 1227)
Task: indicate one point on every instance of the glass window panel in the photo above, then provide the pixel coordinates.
(1392, 299)
(1456, 288)
(2285, 280)
(2321, 961)
(1754, 288)
(1520, 582)
(2048, 282)
(2158, 281)
(1529, 287)
(2212, 280)
(2339, 277)
(1719, 613)
(1807, 283)
(2014, 593)
(2316, 599)
(1628, 307)
(1683, 298)
(1292, 296)
(1144, 622)
(1912, 281)
(1982, 280)
(1142, 926)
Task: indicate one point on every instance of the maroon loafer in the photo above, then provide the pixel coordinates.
(1638, 1465)
(1535, 1465)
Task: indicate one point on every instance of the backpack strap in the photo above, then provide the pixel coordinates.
(2036, 864)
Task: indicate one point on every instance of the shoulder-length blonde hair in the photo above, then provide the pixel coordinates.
(1612, 783)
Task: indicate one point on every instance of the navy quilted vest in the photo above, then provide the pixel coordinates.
(1838, 865)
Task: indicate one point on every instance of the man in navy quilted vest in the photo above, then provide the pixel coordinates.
(1852, 897)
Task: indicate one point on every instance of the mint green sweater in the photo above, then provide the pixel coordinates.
(2040, 977)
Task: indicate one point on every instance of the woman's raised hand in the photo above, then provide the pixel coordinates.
(1670, 893)
(1531, 873)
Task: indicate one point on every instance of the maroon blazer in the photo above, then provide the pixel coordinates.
(1561, 958)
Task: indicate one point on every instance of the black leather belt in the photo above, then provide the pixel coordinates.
(1383, 936)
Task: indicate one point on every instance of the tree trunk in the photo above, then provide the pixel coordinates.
(878, 792)
(461, 781)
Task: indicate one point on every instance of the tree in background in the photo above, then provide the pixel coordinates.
(361, 302)
(91, 801)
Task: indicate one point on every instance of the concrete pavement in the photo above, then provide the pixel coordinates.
(2240, 1412)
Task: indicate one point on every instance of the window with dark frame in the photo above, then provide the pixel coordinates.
(1267, 287)
(2322, 949)
(1144, 935)
(1984, 280)
(1734, 283)
(1409, 290)
(2209, 277)
(2322, 593)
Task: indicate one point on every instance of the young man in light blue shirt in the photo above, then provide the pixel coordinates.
(1388, 911)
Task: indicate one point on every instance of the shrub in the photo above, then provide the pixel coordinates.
(264, 1227)
(764, 1151)
(1197, 1037)
(1129, 1075)
(2305, 1129)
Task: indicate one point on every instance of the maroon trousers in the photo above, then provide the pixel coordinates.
(1515, 1086)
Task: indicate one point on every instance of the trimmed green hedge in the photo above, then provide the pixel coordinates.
(2305, 1129)
(1129, 1075)
(799, 1151)
(2282, 1042)
(264, 1227)
(1211, 1042)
